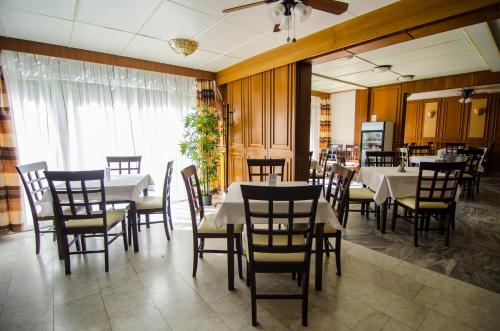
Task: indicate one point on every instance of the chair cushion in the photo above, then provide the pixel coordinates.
(467, 176)
(278, 240)
(207, 225)
(411, 202)
(361, 193)
(149, 202)
(112, 217)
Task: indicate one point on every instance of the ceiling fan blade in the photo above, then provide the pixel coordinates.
(248, 5)
(276, 28)
(329, 6)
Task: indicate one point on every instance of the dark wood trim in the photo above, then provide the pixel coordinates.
(303, 120)
(27, 46)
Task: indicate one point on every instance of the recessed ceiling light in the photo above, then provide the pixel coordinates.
(405, 78)
(382, 68)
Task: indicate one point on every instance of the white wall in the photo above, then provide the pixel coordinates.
(342, 116)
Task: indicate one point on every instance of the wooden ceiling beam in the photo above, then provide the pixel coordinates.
(321, 95)
(20, 45)
(399, 17)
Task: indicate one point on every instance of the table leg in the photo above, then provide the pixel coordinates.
(145, 193)
(230, 257)
(132, 217)
(319, 256)
(384, 215)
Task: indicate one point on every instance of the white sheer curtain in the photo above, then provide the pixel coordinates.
(74, 113)
(315, 125)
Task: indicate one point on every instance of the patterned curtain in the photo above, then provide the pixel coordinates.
(206, 93)
(11, 218)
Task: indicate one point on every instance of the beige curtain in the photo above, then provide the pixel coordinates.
(11, 218)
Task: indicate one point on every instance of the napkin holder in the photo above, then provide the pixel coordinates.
(272, 179)
(402, 167)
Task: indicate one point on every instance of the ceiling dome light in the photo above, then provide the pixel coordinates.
(406, 78)
(302, 11)
(382, 68)
(183, 47)
(276, 13)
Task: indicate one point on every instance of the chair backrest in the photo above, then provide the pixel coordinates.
(322, 154)
(452, 148)
(474, 156)
(355, 153)
(438, 181)
(167, 183)
(124, 164)
(337, 192)
(381, 158)
(262, 168)
(34, 183)
(78, 195)
(259, 202)
(419, 150)
(340, 160)
(310, 158)
(193, 190)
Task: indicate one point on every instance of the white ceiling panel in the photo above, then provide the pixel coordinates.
(56, 8)
(254, 47)
(370, 78)
(126, 15)
(233, 35)
(150, 49)
(254, 18)
(211, 7)
(219, 63)
(23, 25)
(360, 7)
(345, 70)
(96, 38)
(197, 59)
(175, 21)
(484, 42)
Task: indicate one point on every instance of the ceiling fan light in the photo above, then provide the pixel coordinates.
(382, 68)
(275, 14)
(286, 23)
(302, 11)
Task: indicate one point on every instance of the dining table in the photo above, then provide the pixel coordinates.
(119, 189)
(232, 212)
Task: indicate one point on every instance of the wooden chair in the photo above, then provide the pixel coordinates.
(124, 164)
(265, 167)
(435, 195)
(486, 158)
(203, 224)
(272, 250)
(419, 150)
(381, 159)
(80, 209)
(148, 205)
(35, 185)
(431, 146)
(470, 178)
(319, 176)
(452, 148)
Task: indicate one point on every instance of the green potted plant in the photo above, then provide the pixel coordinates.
(202, 134)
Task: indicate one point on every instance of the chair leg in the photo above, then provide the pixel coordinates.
(84, 242)
(299, 280)
(147, 221)
(327, 247)
(394, 216)
(253, 294)
(338, 240)
(248, 274)
(169, 213)
(415, 230)
(129, 231)
(202, 247)
(305, 297)
(367, 210)
(106, 252)
(346, 216)
(362, 208)
(448, 225)
(67, 259)
(239, 252)
(139, 222)
(77, 243)
(195, 255)
(124, 235)
(37, 240)
(165, 224)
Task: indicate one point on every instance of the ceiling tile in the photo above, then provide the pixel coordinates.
(22, 25)
(126, 15)
(211, 7)
(224, 36)
(254, 18)
(360, 7)
(197, 59)
(360, 66)
(483, 39)
(370, 78)
(96, 38)
(254, 47)
(2, 31)
(219, 63)
(55, 8)
(175, 21)
(150, 49)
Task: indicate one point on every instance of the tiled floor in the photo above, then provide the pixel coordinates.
(474, 252)
(154, 290)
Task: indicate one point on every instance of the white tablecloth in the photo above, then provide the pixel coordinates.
(232, 210)
(442, 152)
(117, 188)
(417, 159)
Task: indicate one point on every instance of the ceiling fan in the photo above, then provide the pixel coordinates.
(284, 13)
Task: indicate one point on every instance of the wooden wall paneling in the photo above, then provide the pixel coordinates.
(237, 170)
(361, 112)
(385, 102)
(302, 120)
(477, 118)
(412, 121)
(453, 127)
(429, 120)
(256, 117)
